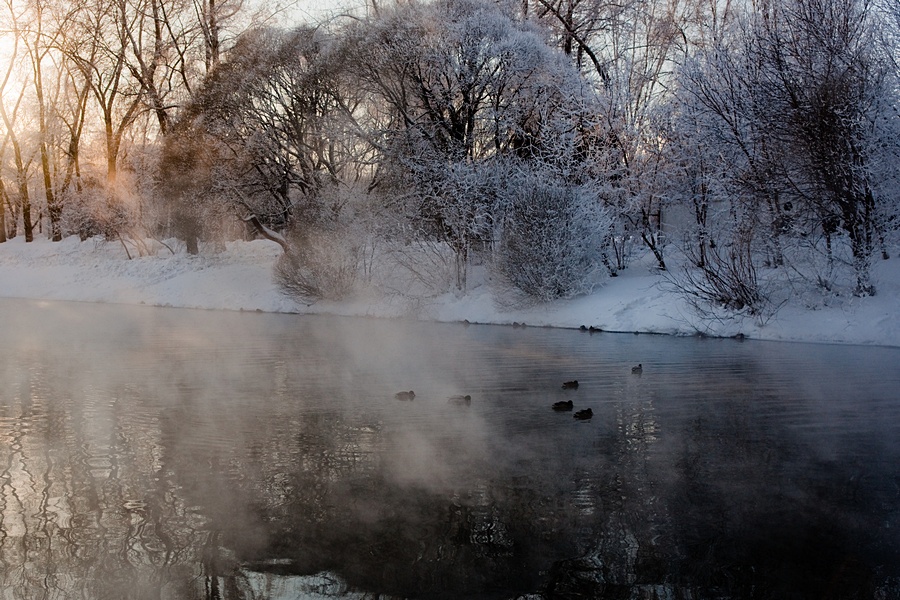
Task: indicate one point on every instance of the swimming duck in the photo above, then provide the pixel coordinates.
(563, 405)
(405, 395)
(584, 415)
(570, 385)
(638, 369)
(467, 400)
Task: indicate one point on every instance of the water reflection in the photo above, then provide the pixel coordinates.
(149, 453)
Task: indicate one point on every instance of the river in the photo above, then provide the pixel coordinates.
(170, 453)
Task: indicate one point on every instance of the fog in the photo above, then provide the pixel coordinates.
(174, 453)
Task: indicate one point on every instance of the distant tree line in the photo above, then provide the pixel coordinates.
(539, 141)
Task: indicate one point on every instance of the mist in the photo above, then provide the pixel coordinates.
(176, 447)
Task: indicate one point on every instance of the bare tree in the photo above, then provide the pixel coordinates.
(173, 45)
(46, 23)
(212, 15)
(148, 40)
(11, 89)
(100, 52)
(71, 110)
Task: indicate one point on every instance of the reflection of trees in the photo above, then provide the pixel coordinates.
(321, 497)
(733, 506)
(626, 551)
(215, 484)
(98, 502)
(85, 509)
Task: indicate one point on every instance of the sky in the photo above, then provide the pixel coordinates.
(298, 11)
(240, 278)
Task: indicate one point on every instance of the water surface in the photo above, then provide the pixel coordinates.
(166, 453)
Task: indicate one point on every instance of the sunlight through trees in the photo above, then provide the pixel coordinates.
(749, 147)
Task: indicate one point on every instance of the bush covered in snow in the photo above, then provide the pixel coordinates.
(551, 241)
(320, 265)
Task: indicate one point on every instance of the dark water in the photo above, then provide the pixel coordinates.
(161, 453)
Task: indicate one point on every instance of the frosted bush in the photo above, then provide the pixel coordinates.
(551, 241)
(321, 265)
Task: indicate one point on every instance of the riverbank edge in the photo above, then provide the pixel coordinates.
(240, 279)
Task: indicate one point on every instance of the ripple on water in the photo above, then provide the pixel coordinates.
(276, 440)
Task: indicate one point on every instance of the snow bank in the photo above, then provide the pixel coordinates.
(240, 278)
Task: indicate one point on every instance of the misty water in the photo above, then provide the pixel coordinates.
(165, 453)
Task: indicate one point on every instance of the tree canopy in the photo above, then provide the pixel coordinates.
(539, 141)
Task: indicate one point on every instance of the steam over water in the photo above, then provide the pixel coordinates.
(160, 453)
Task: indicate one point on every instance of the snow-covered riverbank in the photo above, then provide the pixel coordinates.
(240, 278)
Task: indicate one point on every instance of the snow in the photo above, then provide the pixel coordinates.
(240, 278)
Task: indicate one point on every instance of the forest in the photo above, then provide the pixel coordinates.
(752, 148)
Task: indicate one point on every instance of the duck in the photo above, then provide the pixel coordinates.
(584, 415)
(570, 385)
(563, 405)
(638, 369)
(405, 395)
(467, 400)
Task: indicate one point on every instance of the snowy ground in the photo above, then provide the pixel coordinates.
(240, 278)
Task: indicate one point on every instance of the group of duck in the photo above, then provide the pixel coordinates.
(586, 413)
(460, 400)
(563, 405)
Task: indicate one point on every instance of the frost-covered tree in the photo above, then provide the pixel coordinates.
(271, 122)
(460, 76)
(627, 50)
(794, 101)
(461, 86)
(265, 140)
(832, 87)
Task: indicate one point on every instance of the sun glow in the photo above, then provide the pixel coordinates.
(9, 52)
(7, 56)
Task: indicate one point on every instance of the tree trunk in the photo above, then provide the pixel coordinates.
(212, 36)
(112, 151)
(24, 198)
(53, 209)
(267, 233)
(2, 212)
(26, 219)
(775, 219)
(861, 262)
(192, 243)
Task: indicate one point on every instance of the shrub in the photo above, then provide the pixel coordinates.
(726, 278)
(321, 265)
(551, 240)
